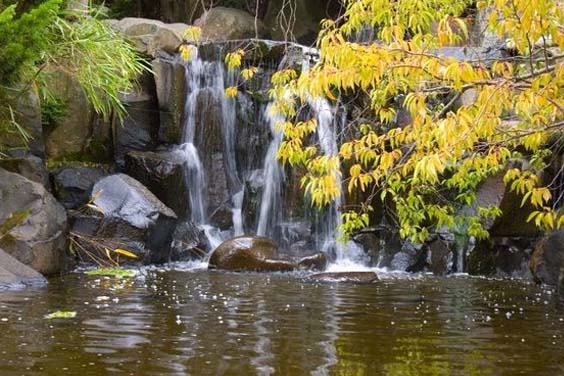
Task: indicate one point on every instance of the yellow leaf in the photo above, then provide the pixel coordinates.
(231, 92)
(125, 253)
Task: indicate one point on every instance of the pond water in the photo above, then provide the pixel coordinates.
(178, 321)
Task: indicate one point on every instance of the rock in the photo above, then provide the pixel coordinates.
(133, 216)
(486, 55)
(152, 36)
(33, 225)
(501, 257)
(170, 81)
(188, 243)
(349, 277)
(221, 24)
(317, 261)
(73, 185)
(68, 137)
(163, 173)
(440, 257)
(307, 15)
(139, 129)
(29, 166)
(560, 289)
(27, 112)
(14, 273)
(246, 253)
(548, 258)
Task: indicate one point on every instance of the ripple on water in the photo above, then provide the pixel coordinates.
(179, 319)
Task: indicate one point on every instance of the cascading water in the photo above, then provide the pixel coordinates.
(205, 84)
(273, 177)
(209, 77)
(348, 256)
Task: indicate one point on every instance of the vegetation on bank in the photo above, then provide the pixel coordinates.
(43, 37)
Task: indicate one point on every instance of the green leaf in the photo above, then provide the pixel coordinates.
(112, 272)
(61, 315)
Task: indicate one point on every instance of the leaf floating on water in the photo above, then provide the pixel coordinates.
(61, 315)
(126, 253)
(112, 272)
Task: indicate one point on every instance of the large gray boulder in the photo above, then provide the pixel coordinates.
(33, 225)
(13, 273)
(152, 36)
(221, 24)
(128, 214)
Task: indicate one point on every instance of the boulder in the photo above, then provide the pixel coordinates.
(189, 242)
(163, 173)
(33, 225)
(68, 136)
(170, 81)
(139, 129)
(440, 257)
(29, 166)
(548, 258)
(73, 185)
(317, 261)
(501, 257)
(14, 273)
(152, 36)
(247, 253)
(350, 277)
(26, 108)
(221, 24)
(560, 289)
(131, 216)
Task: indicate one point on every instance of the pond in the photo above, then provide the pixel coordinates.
(184, 321)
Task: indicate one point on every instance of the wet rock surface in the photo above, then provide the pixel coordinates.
(548, 258)
(14, 274)
(246, 253)
(317, 261)
(349, 277)
(33, 224)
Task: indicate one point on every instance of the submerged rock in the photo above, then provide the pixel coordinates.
(352, 277)
(317, 261)
(249, 253)
(33, 224)
(14, 273)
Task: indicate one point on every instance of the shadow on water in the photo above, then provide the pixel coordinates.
(178, 322)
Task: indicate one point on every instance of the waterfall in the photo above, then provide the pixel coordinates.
(348, 256)
(205, 83)
(273, 177)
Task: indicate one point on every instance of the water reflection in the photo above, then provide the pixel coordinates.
(182, 322)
